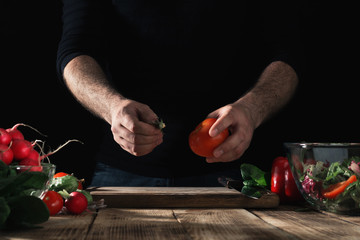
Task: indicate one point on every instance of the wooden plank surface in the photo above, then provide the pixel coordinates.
(207, 224)
(311, 224)
(284, 222)
(180, 197)
(351, 219)
(69, 227)
(137, 224)
(212, 224)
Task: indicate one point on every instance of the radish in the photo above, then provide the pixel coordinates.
(33, 165)
(21, 148)
(6, 154)
(34, 156)
(56, 150)
(5, 137)
(32, 160)
(16, 134)
(77, 203)
(15, 147)
(29, 162)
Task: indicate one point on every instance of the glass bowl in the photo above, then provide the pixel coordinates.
(39, 186)
(324, 172)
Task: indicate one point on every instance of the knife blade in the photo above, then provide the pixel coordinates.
(233, 184)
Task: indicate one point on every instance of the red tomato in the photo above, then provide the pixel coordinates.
(200, 141)
(77, 203)
(54, 202)
(60, 174)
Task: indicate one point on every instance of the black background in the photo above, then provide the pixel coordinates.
(325, 107)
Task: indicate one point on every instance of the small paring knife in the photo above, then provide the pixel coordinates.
(233, 184)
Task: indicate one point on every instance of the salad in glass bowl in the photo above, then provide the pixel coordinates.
(327, 175)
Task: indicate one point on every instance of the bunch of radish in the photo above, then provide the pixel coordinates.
(14, 148)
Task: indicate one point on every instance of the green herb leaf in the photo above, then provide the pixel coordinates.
(23, 181)
(251, 191)
(337, 173)
(68, 182)
(17, 208)
(4, 211)
(4, 169)
(27, 210)
(251, 172)
(251, 183)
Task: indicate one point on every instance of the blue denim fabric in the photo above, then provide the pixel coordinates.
(108, 176)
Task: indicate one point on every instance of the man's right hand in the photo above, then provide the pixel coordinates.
(132, 123)
(132, 126)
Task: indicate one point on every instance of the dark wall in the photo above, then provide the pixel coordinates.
(324, 109)
(30, 90)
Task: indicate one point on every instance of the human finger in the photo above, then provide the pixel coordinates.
(137, 126)
(231, 149)
(234, 146)
(137, 138)
(228, 156)
(147, 115)
(137, 149)
(136, 117)
(224, 120)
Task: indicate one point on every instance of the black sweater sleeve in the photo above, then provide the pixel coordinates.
(283, 33)
(84, 32)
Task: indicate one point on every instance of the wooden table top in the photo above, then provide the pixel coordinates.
(282, 222)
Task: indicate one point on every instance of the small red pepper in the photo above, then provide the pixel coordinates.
(282, 181)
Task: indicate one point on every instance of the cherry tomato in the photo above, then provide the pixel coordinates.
(62, 174)
(54, 202)
(200, 141)
(77, 203)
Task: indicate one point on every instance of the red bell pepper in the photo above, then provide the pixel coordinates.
(334, 190)
(282, 181)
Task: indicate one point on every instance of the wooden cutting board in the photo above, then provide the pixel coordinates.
(180, 197)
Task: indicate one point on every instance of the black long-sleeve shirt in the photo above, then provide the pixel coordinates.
(183, 58)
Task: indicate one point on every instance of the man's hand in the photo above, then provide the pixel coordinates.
(132, 125)
(272, 91)
(238, 120)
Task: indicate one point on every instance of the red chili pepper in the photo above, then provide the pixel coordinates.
(282, 181)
